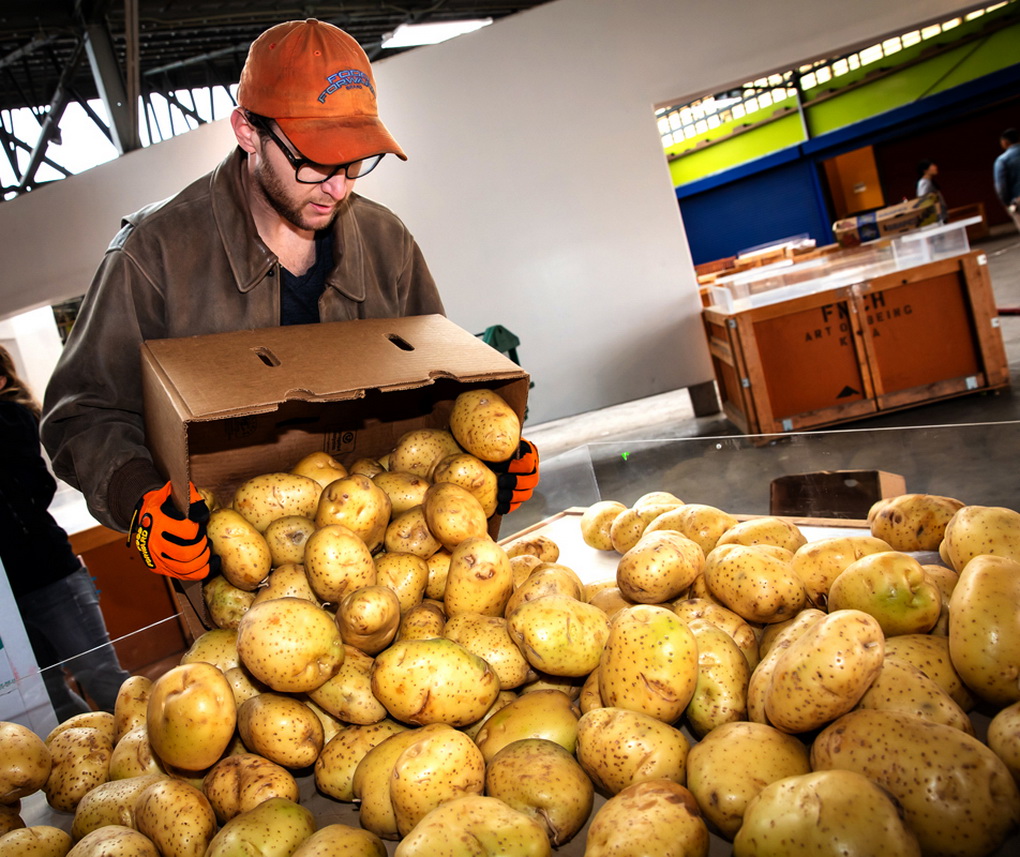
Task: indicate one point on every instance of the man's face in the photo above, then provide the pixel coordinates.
(306, 206)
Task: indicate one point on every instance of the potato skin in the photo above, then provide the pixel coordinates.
(176, 816)
(81, 761)
(660, 814)
(958, 796)
(984, 628)
(114, 840)
(825, 672)
(239, 783)
(755, 581)
(731, 764)
(617, 748)
(26, 762)
(825, 812)
(41, 840)
(914, 522)
(485, 425)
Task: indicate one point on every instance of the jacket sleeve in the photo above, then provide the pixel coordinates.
(92, 425)
(420, 294)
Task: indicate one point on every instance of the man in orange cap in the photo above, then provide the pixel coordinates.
(275, 234)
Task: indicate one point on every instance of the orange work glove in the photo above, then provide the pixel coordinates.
(516, 477)
(168, 542)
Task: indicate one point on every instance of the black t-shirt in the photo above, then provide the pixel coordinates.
(299, 295)
(33, 546)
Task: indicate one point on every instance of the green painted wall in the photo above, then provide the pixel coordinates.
(964, 63)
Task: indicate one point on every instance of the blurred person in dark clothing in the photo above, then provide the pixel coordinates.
(54, 591)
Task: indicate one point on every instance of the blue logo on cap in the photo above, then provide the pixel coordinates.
(348, 78)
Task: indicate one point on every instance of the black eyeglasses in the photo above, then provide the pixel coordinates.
(309, 172)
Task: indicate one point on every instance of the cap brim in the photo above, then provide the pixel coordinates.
(329, 141)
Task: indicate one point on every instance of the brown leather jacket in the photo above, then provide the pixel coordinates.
(194, 264)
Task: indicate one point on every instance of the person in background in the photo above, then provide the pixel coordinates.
(927, 170)
(274, 235)
(54, 591)
(1006, 172)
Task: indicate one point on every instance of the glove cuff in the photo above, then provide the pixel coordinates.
(127, 485)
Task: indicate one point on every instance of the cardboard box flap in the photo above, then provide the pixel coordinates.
(254, 371)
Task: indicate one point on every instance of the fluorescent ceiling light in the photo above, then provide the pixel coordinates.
(431, 33)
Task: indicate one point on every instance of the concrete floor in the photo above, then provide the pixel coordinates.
(964, 447)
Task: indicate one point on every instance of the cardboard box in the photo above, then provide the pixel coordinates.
(222, 408)
(842, 494)
(892, 220)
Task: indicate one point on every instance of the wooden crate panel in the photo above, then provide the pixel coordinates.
(809, 360)
(920, 333)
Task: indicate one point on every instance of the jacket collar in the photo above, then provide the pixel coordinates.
(250, 259)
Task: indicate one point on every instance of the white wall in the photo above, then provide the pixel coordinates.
(536, 183)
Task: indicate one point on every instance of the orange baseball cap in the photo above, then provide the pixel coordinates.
(316, 82)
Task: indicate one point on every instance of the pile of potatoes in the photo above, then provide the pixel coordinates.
(733, 682)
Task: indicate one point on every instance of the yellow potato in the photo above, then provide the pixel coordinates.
(559, 635)
(217, 646)
(547, 714)
(112, 802)
(733, 762)
(337, 560)
(405, 573)
(479, 579)
(540, 546)
(768, 530)
(404, 488)
(489, 638)
(660, 814)
(453, 514)
(820, 562)
(756, 582)
(471, 473)
(422, 621)
(177, 817)
(1003, 737)
(649, 662)
(597, 521)
(336, 765)
(825, 672)
(225, 603)
(285, 581)
(720, 695)
(24, 764)
(281, 729)
(661, 566)
(277, 825)
(433, 681)
(343, 839)
(418, 451)
(475, 826)
(347, 696)
(370, 467)
(245, 559)
(761, 676)
(191, 716)
(825, 813)
(699, 522)
(957, 795)
(618, 747)
(930, 654)
(975, 530)
(81, 761)
(358, 503)
(129, 708)
(485, 425)
(321, 467)
(289, 644)
(286, 538)
(560, 800)
(268, 496)
(901, 686)
(738, 628)
(114, 839)
(409, 533)
(133, 755)
(368, 618)
(547, 578)
(40, 840)
(984, 628)
(914, 522)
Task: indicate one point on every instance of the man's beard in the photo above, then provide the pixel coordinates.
(274, 192)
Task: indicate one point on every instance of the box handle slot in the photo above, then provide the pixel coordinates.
(266, 356)
(400, 342)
